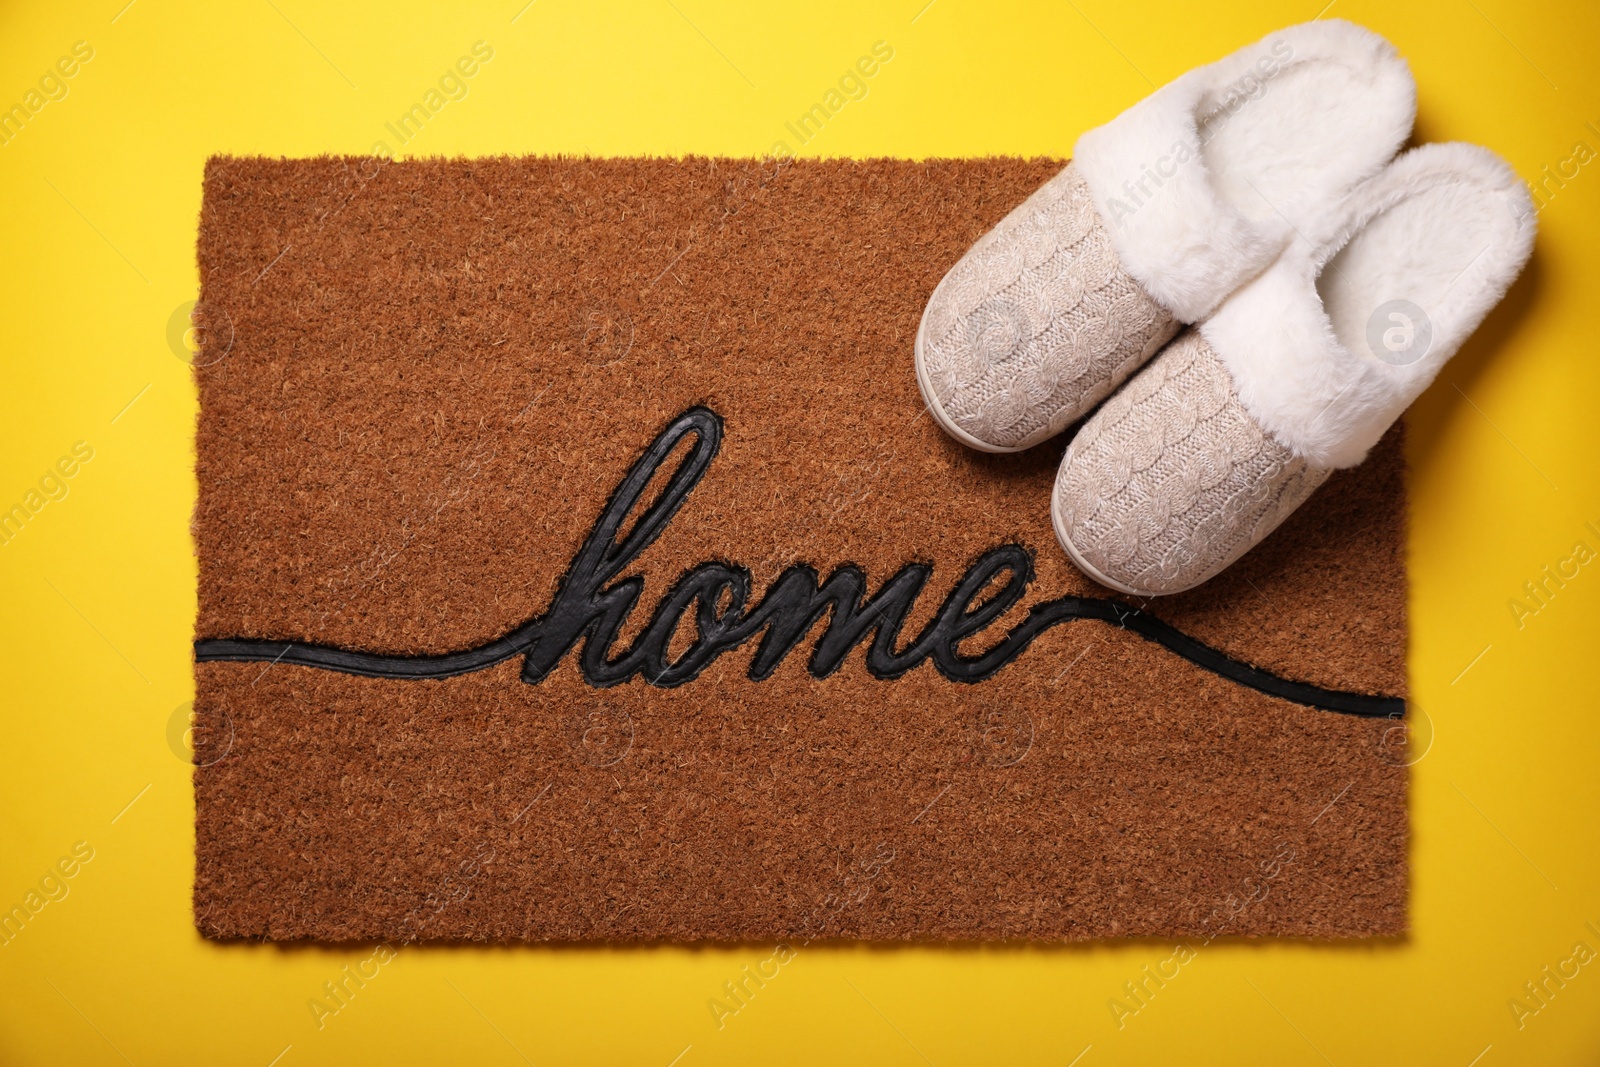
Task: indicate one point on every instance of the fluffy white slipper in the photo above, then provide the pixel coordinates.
(1300, 372)
(1162, 213)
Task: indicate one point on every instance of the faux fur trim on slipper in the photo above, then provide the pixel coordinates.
(1203, 182)
(1353, 321)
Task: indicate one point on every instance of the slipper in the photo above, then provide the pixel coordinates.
(1204, 452)
(1161, 214)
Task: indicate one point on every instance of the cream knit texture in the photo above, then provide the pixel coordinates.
(1173, 479)
(1037, 323)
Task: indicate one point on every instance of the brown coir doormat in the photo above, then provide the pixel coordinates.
(577, 562)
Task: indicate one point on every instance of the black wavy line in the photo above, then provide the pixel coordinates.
(591, 604)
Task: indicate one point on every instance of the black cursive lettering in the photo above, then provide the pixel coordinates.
(592, 602)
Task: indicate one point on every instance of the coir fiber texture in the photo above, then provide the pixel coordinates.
(429, 391)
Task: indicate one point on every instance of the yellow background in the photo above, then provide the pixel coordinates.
(100, 194)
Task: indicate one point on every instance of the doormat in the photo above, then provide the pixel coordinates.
(578, 562)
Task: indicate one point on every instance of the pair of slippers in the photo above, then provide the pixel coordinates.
(1257, 200)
